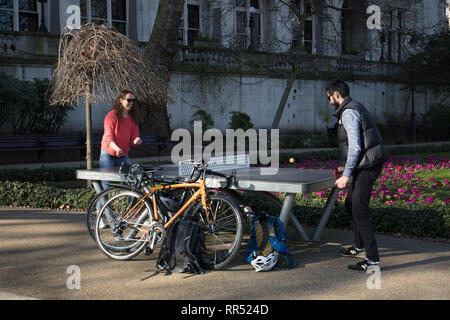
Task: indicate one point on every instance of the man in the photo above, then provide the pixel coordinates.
(362, 149)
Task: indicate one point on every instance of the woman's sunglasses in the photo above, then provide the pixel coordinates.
(131, 100)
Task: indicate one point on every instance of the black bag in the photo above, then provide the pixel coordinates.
(181, 250)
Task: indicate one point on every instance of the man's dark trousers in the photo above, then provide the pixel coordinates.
(357, 204)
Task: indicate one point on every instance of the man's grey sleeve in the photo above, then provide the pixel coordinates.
(351, 121)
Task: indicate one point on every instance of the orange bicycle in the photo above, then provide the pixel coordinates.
(139, 221)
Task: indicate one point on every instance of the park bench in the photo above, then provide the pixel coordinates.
(43, 143)
(148, 138)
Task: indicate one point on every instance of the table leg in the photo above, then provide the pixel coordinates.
(331, 200)
(286, 214)
(97, 186)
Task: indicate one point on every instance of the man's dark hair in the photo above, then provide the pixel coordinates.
(339, 86)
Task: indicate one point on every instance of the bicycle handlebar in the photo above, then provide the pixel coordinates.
(231, 178)
(131, 173)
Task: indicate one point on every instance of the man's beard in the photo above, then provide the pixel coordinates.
(336, 105)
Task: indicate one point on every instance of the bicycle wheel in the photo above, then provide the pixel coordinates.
(92, 211)
(224, 234)
(129, 225)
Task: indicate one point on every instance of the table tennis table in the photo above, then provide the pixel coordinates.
(291, 181)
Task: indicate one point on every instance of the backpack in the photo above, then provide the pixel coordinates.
(267, 235)
(181, 250)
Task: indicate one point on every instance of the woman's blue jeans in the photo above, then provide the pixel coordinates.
(108, 161)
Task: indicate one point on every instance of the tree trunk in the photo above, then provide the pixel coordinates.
(284, 98)
(88, 135)
(161, 50)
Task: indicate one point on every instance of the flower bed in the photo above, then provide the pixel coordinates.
(411, 197)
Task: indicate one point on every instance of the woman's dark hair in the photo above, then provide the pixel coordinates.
(117, 106)
(339, 86)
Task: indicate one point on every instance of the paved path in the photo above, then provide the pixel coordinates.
(38, 246)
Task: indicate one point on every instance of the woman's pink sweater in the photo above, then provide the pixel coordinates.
(122, 132)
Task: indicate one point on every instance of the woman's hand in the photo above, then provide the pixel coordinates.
(137, 141)
(119, 152)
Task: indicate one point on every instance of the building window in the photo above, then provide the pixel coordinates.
(19, 15)
(304, 8)
(399, 35)
(189, 30)
(354, 32)
(308, 36)
(248, 24)
(6, 15)
(394, 34)
(112, 13)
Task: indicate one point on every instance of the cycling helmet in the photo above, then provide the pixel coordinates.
(264, 263)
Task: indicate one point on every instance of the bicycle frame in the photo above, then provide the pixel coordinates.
(200, 193)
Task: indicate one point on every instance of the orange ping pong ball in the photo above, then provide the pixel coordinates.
(291, 160)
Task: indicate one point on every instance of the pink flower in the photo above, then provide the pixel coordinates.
(447, 201)
(389, 202)
(429, 200)
(437, 185)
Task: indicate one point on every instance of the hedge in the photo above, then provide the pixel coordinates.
(38, 175)
(333, 153)
(38, 195)
(395, 221)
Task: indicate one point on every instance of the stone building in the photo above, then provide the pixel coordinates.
(233, 53)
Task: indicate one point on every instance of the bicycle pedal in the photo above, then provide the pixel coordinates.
(148, 251)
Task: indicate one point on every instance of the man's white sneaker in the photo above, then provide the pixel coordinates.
(353, 252)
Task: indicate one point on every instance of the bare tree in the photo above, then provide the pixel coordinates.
(161, 50)
(96, 63)
(292, 15)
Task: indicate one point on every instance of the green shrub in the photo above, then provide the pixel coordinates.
(419, 223)
(436, 122)
(333, 153)
(204, 117)
(240, 120)
(394, 127)
(24, 104)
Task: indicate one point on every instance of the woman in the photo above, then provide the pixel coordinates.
(121, 132)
